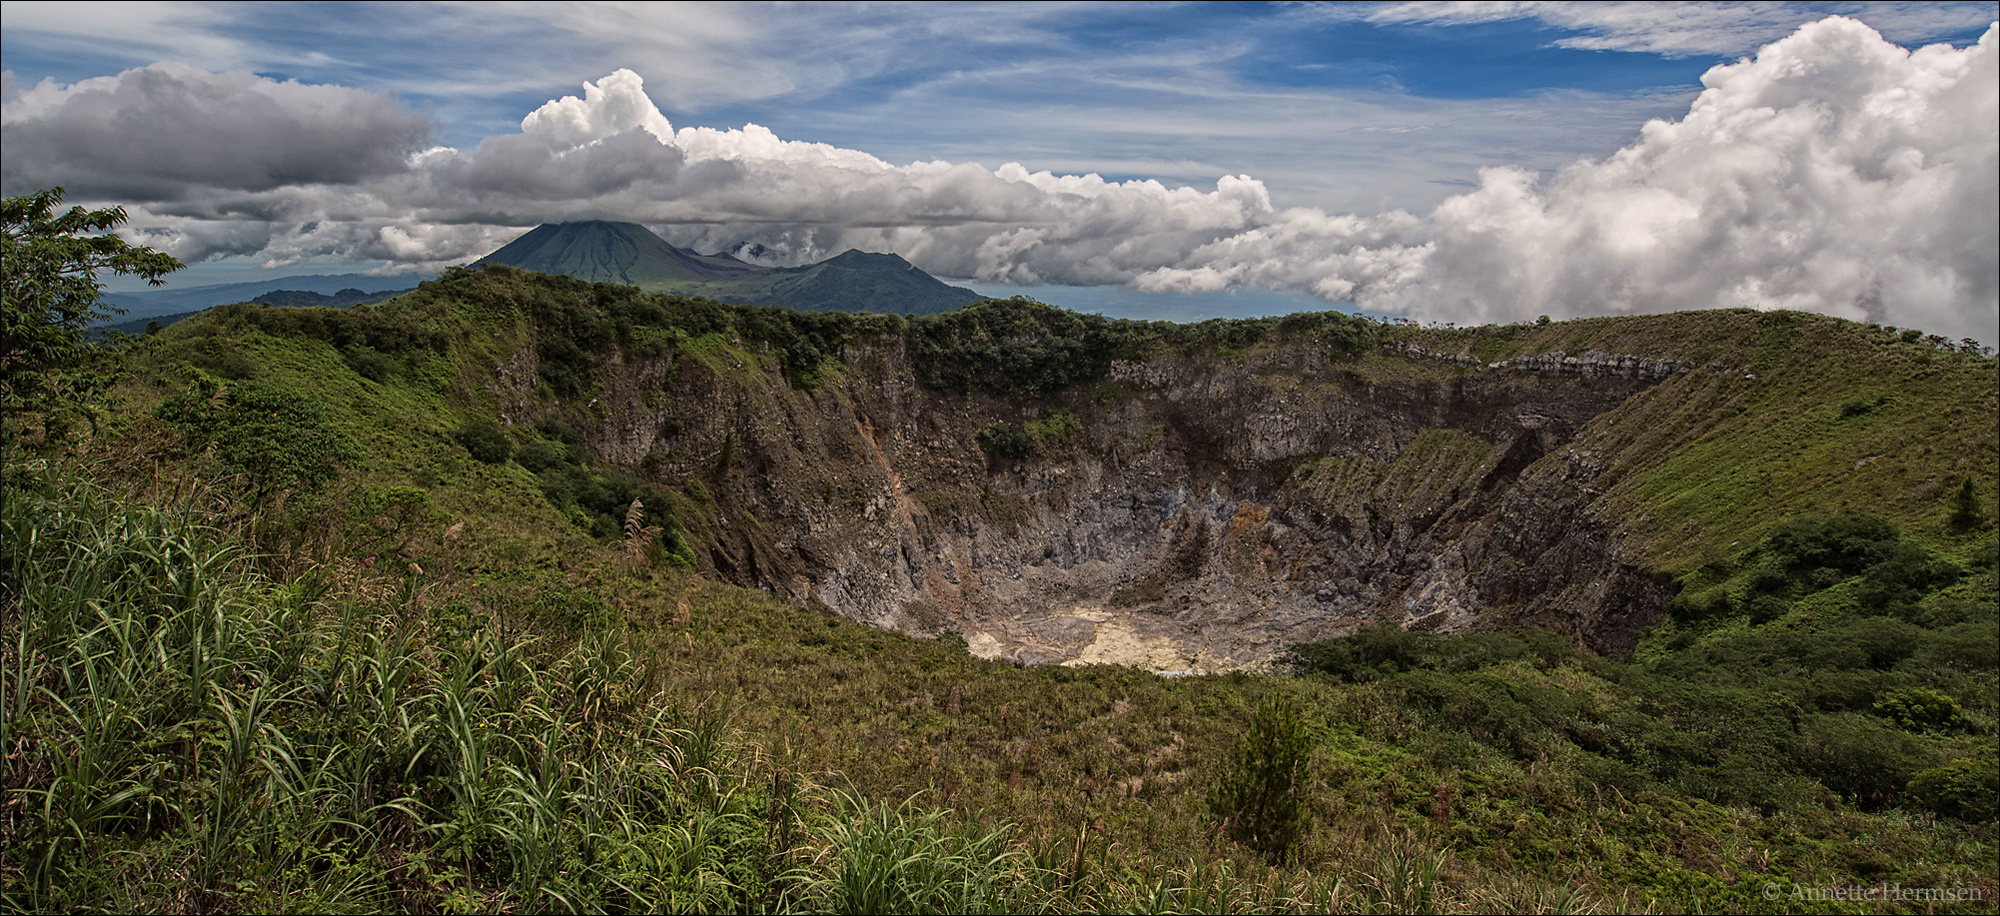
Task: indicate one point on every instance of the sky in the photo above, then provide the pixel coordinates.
(1460, 163)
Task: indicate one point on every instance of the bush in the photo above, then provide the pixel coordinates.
(1864, 759)
(539, 456)
(1966, 789)
(1966, 513)
(1371, 653)
(1259, 799)
(487, 442)
(1006, 440)
(1848, 544)
(277, 439)
(1921, 710)
(370, 363)
(1905, 574)
(1701, 606)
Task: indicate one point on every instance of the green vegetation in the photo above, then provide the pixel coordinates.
(1015, 441)
(1022, 347)
(400, 677)
(49, 298)
(1258, 798)
(1842, 659)
(271, 439)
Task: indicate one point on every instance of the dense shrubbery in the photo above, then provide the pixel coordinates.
(275, 439)
(1860, 701)
(1012, 345)
(1025, 347)
(1003, 346)
(1260, 799)
(1890, 574)
(485, 440)
(1014, 441)
(580, 322)
(377, 344)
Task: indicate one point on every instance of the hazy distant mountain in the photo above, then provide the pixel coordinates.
(170, 301)
(308, 299)
(630, 254)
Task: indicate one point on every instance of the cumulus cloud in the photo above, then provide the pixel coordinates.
(170, 130)
(1835, 172)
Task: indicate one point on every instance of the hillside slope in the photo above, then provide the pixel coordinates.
(1058, 487)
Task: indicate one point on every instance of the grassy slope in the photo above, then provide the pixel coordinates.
(1825, 416)
(1103, 770)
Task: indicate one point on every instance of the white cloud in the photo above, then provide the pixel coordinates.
(612, 105)
(1683, 29)
(1835, 172)
(158, 132)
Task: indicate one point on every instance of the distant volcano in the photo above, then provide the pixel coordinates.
(630, 254)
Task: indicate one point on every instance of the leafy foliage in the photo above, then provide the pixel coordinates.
(1014, 441)
(276, 439)
(1026, 347)
(1967, 789)
(49, 297)
(484, 438)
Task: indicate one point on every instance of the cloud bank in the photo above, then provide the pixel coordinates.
(1834, 172)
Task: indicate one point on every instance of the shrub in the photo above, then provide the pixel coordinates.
(1259, 798)
(370, 363)
(1966, 513)
(1849, 544)
(1905, 574)
(1006, 440)
(487, 442)
(1864, 759)
(1966, 789)
(539, 456)
(277, 439)
(1370, 653)
(1921, 710)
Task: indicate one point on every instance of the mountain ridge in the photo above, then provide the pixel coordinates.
(601, 251)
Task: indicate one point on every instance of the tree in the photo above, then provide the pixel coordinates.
(1261, 796)
(1966, 514)
(51, 296)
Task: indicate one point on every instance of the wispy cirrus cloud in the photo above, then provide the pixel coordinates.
(1683, 29)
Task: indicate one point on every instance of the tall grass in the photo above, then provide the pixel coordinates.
(185, 734)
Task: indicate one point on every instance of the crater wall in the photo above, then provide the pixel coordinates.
(1200, 513)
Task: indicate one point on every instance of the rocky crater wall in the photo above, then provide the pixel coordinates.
(1197, 514)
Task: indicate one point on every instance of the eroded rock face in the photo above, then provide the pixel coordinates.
(1206, 514)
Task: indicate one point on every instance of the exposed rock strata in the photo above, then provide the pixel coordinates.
(1208, 513)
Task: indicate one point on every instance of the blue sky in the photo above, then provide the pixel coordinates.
(1353, 124)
